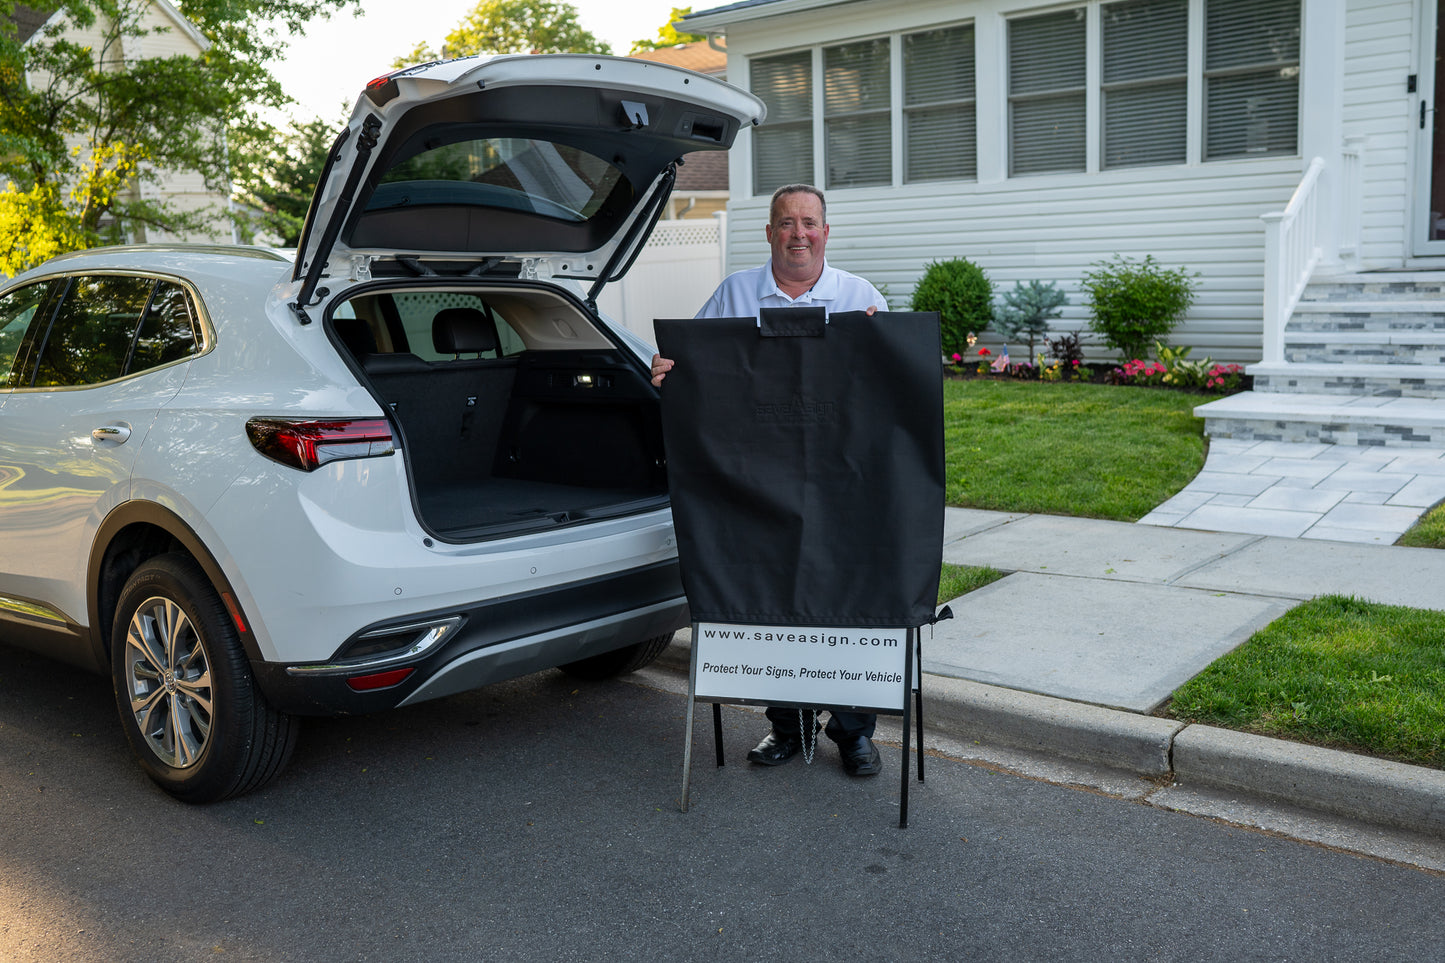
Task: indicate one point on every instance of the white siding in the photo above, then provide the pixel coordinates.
(1201, 216)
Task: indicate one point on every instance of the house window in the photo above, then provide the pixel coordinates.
(939, 140)
(783, 145)
(927, 117)
(1145, 85)
(857, 115)
(1047, 92)
(1251, 77)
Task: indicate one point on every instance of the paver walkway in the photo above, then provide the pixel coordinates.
(1300, 490)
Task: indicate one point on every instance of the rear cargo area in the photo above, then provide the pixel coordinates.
(516, 412)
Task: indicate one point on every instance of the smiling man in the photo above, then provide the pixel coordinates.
(797, 274)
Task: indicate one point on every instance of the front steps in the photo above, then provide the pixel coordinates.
(1364, 366)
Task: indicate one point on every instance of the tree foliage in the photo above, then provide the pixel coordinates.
(277, 190)
(667, 35)
(512, 26)
(89, 121)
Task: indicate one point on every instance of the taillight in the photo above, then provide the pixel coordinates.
(309, 444)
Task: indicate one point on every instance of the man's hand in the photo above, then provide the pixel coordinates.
(660, 367)
(872, 310)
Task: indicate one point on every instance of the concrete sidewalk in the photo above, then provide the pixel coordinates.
(1098, 622)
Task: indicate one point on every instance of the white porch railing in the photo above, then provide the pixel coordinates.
(1321, 223)
(1291, 252)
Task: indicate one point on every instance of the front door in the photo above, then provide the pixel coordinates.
(1428, 126)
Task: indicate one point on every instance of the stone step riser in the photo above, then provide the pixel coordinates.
(1387, 355)
(1375, 290)
(1352, 387)
(1346, 322)
(1327, 432)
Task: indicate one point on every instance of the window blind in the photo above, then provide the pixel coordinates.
(939, 139)
(1251, 77)
(1145, 48)
(857, 93)
(1046, 92)
(783, 145)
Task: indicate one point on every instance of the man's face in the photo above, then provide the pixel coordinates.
(798, 235)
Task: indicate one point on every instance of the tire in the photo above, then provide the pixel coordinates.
(629, 658)
(188, 703)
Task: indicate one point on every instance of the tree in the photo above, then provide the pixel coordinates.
(86, 123)
(512, 26)
(278, 189)
(667, 35)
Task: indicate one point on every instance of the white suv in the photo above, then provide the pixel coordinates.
(412, 462)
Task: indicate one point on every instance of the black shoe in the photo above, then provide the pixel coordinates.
(860, 757)
(776, 749)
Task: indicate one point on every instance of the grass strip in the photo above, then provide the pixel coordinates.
(957, 580)
(1334, 671)
(1097, 451)
(1428, 532)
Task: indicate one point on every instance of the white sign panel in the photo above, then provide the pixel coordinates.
(813, 666)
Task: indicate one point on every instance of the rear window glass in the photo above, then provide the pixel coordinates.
(168, 332)
(512, 173)
(418, 312)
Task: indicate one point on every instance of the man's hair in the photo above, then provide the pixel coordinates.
(797, 189)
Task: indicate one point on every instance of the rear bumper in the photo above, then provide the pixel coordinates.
(496, 640)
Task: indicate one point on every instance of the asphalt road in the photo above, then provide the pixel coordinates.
(538, 820)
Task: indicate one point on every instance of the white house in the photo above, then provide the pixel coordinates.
(1037, 138)
(167, 33)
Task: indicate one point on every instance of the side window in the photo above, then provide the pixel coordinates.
(17, 310)
(90, 339)
(168, 331)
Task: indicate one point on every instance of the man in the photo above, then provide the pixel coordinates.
(798, 274)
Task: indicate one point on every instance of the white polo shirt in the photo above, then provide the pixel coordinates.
(742, 293)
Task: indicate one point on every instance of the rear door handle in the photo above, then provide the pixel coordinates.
(112, 434)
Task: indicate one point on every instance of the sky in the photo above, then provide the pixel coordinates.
(328, 67)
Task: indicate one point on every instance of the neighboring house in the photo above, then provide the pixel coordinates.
(1039, 138)
(186, 190)
(702, 180)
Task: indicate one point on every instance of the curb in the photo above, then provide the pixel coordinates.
(1329, 781)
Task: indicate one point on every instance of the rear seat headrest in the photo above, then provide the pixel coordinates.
(463, 331)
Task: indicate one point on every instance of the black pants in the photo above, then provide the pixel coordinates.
(843, 726)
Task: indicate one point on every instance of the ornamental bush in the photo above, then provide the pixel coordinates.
(963, 297)
(1027, 310)
(1134, 303)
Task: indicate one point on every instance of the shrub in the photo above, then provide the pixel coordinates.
(961, 294)
(1183, 373)
(1027, 310)
(1133, 303)
(1068, 348)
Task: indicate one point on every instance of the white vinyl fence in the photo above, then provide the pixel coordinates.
(672, 277)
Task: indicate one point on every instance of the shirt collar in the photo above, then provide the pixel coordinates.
(824, 289)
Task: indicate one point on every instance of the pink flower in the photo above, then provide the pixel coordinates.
(957, 357)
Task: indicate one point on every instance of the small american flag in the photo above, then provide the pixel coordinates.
(1001, 362)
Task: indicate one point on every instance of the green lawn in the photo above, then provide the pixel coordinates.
(1335, 672)
(1098, 451)
(1429, 531)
